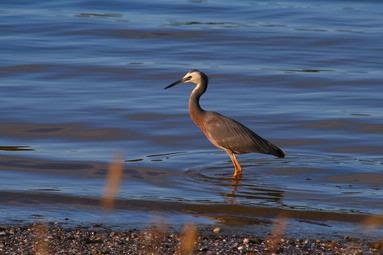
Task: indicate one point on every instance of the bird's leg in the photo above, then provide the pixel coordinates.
(237, 167)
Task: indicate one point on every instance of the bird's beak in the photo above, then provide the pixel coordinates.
(175, 83)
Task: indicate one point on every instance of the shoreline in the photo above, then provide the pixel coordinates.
(53, 238)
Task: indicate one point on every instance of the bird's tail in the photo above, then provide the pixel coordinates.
(276, 151)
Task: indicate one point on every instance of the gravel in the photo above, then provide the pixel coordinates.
(55, 239)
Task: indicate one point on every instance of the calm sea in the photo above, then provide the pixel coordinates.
(81, 81)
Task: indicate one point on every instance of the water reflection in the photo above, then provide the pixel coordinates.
(250, 189)
(248, 192)
(323, 105)
(231, 197)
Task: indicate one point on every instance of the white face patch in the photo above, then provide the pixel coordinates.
(193, 77)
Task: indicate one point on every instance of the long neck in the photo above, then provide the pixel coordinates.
(195, 110)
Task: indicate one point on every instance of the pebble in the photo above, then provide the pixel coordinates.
(216, 230)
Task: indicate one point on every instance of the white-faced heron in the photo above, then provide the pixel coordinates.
(223, 132)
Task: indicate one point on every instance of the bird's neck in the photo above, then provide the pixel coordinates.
(195, 110)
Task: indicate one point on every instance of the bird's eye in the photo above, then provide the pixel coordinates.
(188, 78)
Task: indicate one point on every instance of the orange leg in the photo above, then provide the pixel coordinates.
(237, 167)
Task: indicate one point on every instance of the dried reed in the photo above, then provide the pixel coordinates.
(188, 239)
(114, 177)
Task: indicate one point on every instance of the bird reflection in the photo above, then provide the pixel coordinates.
(251, 192)
(231, 197)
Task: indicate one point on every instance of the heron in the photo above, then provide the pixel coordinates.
(223, 132)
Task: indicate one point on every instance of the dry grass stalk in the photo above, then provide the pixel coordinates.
(372, 222)
(152, 238)
(114, 177)
(188, 239)
(40, 246)
(273, 242)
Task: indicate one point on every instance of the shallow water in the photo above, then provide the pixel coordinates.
(82, 81)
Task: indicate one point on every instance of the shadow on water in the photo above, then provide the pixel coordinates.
(99, 15)
(217, 24)
(307, 70)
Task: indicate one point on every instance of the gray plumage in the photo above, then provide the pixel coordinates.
(221, 131)
(232, 135)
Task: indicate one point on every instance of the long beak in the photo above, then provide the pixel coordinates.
(174, 83)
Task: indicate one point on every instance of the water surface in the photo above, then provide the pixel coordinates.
(81, 81)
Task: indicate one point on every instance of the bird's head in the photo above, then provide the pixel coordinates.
(193, 76)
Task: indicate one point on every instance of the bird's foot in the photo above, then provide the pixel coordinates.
(237, 173)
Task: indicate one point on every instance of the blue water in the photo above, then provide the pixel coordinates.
(83, 80)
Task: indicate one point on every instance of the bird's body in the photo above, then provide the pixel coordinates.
(223, 132)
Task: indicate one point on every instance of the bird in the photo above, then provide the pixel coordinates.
(223, 132)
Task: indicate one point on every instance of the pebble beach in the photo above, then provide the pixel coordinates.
(96, 239)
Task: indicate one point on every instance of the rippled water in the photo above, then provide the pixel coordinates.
(83, 80)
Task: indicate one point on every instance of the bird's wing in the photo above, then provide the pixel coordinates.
(232, 135)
